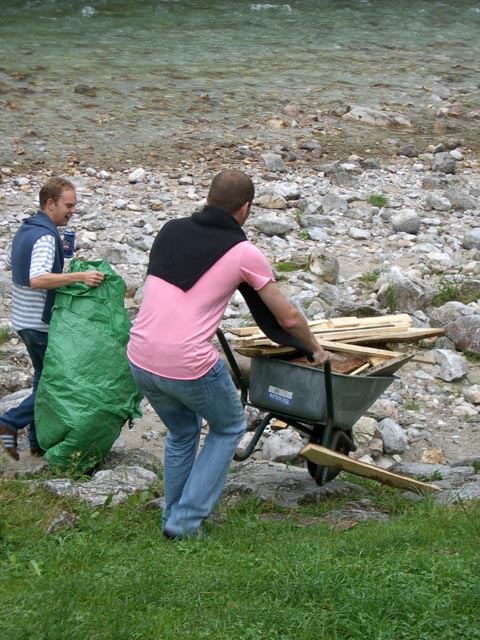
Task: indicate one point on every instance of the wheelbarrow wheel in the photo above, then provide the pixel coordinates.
(322, 474)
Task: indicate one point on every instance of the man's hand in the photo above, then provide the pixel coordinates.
(92, 278)
(320, 356)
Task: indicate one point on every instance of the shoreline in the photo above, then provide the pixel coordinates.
(307, 135)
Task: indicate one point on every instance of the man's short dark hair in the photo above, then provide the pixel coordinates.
(53, 188)
(230, 190)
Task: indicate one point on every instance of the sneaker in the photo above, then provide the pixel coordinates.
(8, 440)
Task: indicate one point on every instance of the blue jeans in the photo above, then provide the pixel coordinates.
(193, 483)
(22, 416)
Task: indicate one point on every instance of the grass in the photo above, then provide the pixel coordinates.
(256, 576)
(286, 267)
(378, 200)
(4, 332)
(369, 278)
(451, 290)
(448, 291)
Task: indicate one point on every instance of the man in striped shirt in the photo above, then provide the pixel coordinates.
(36, 261)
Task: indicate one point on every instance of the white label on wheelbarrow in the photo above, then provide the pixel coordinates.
(279, 395)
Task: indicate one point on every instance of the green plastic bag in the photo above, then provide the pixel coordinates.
(86, 391)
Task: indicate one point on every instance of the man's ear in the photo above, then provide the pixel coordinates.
(245, 210)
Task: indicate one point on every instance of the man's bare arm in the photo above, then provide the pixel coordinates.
(291, 320)
(55, 280)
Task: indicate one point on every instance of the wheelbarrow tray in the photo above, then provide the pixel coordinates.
(298, 390)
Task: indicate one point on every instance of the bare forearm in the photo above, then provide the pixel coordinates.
(56, 280)
(291, 320)
(297, 326)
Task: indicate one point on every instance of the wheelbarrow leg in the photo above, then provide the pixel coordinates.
(253, 442)
(334, 439)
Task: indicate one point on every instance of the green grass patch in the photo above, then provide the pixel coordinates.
(452, 290)
(304, 235)
(113, 576)
(369, 278)
(4, 331)
(448, 291)
(378, 200)
(286, 267)
(473, 358)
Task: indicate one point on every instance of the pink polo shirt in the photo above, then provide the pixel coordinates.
(172, 334)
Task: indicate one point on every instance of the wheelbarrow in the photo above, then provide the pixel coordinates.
(320, 404)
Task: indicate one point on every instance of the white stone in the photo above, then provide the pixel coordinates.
(137, 175)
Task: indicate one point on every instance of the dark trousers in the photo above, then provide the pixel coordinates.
(23, 415)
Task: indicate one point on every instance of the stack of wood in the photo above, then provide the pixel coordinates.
(349, 342)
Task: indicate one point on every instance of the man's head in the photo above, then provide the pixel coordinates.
(58, 200)
(231, 190)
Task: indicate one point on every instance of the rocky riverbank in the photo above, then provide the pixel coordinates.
(360, 236)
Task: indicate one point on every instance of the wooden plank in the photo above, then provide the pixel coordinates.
(344, 335)
(423, 359)
(389, 367)
(353, 348)
(327, 458)
(353, 321)
(376, 332)
(268, 351)
(332, 323)
(278, 424)
(242, 331)
(361, 369)
(402, 336)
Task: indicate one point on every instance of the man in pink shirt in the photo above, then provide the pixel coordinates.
(195, 266)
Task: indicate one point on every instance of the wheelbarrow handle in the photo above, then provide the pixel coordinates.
(327, 433)
(234, 366)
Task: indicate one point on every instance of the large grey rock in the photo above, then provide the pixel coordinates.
(358, 234)
(288, 190)
(137, 175)
(331, 202)
(407, 221)
(461, 200)
(437, 202)
(394, 438)
(324, 265)
(465, 333)
(403, 293)
(472, 394)
(444, 163)
(274, 226)
(428, 471)
(119, 484)
(270, 201)
(468, 491)
(453, 366)
(277, 483)
(439, 261)
(449, 312)
(314, 220)
(471, 239)
(273, 162)
(377, 118)
(283, 446)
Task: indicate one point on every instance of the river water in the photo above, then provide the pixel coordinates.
(115, 83)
